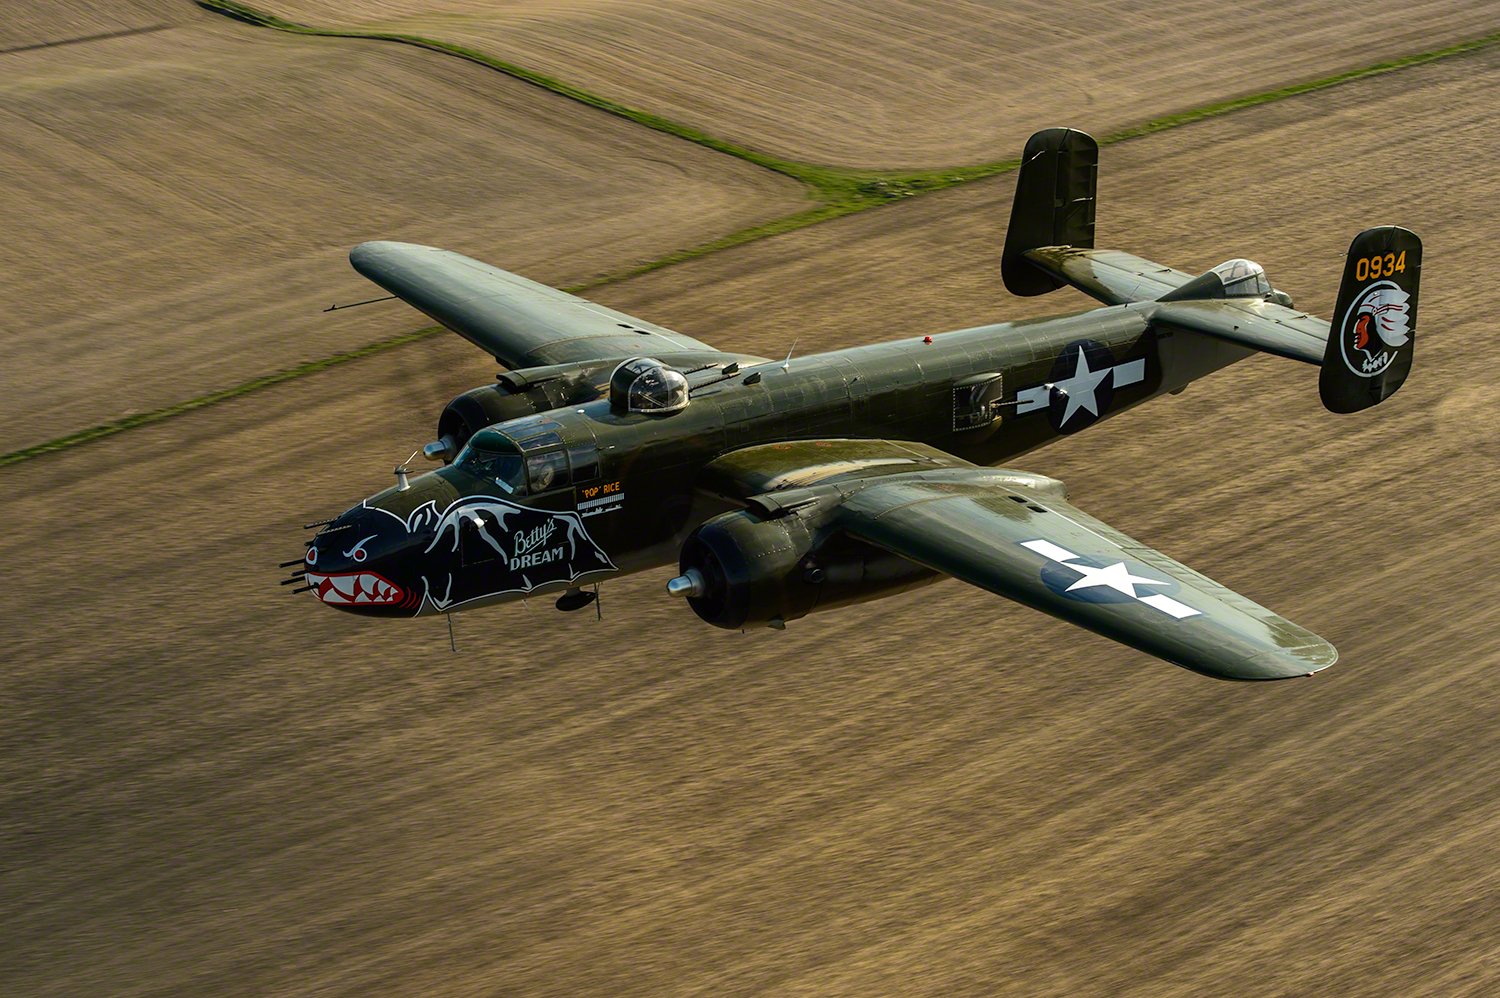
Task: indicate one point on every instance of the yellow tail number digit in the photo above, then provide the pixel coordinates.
(1373, 267)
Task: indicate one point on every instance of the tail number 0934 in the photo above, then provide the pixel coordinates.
(1368, 268)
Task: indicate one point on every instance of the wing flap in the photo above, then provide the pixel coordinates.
(1044, 553)
(520, 322)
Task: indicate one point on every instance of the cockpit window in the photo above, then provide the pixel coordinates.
(647, 385)
(508, 471)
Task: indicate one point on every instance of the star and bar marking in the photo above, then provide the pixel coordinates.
(1081, 388)
(1116, 577)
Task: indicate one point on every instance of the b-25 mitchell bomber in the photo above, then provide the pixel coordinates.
(610, 445)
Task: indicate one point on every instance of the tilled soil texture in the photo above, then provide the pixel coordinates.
(32, 24)
(180, 204)
(916, 83)
(208, 785)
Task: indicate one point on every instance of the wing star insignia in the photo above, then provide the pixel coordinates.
(1116, 577)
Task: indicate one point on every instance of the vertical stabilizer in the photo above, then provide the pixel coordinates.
(1053, 206)
(1374, 325)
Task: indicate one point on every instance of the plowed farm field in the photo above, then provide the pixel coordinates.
(180, 203)
(916, 83)
(208, 785)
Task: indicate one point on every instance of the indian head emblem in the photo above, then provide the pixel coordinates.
(1375, 327)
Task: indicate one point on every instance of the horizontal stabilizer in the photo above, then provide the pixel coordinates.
(1261, 325)
(1110, 276)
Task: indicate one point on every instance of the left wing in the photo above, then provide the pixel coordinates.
(522, 323)
(1014, 535)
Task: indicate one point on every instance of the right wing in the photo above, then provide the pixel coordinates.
(522, 323)
(1013, 534)
(1049, 555)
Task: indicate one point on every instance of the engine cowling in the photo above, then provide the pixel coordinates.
(741, 568)
(516, 394)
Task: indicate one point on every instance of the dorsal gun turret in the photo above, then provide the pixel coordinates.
(644, 384)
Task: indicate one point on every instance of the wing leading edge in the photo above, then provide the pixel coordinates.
(520, 322)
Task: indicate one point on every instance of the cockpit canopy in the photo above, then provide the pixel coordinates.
(496, 458)
(644, 384)
(1243, 279)
(529, 457)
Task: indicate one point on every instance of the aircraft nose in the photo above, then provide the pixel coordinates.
(355, 564)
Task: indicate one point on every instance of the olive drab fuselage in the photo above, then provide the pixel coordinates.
(627, 487)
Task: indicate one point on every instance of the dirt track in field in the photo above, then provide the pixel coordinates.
(180, 203)
(917, 83)
(209, 786)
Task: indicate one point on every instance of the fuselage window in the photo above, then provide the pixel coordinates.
(548, 470)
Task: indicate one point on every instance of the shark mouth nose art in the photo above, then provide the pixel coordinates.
(356, 588)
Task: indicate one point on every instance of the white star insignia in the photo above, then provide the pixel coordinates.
(1082, 388)
(1116, 577)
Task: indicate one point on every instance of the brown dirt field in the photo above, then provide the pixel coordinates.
(180, 204)
(37, 23)
(920, 83)
(208, 786)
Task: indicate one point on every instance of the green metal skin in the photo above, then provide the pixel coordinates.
(658, 465)
(780, 489)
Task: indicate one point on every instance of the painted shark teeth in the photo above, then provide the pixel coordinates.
(362, 588)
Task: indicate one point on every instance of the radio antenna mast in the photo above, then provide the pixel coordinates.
(368, 301)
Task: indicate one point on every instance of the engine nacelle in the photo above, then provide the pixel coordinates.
(741, 568)
(516, 394)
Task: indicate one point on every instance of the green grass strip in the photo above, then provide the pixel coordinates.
(213, 398)
(1296, 89)
(842, 192)
(865, 188)
(835, 185)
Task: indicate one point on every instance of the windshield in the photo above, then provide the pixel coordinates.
(504, 470)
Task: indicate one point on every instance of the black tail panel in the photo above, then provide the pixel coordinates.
(1374, 325)
(1054, 205)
